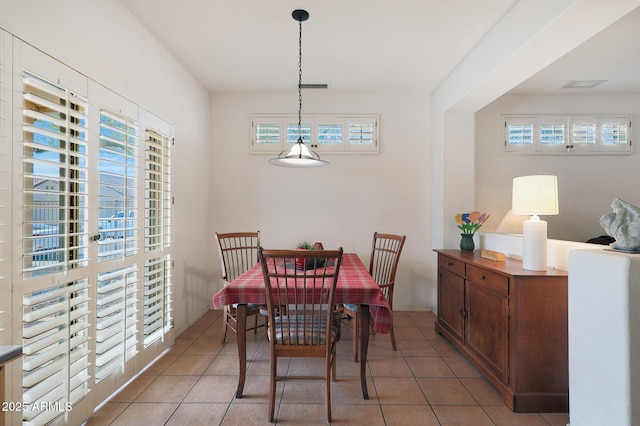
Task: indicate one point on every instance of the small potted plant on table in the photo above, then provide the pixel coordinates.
(311, 263)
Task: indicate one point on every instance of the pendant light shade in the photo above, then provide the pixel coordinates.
(299, 155)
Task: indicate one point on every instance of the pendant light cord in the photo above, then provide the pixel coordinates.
(299, 155)
(300, 83)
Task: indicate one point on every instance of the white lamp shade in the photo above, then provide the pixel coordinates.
(535, 195)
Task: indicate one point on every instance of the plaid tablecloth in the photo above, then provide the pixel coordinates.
(355, 286)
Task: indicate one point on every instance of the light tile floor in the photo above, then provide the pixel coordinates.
(426, 382)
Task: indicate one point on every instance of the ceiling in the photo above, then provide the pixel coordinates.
(612, 55)
(362, 45)
(354, 45)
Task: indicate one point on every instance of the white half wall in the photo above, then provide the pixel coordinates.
(604, 361)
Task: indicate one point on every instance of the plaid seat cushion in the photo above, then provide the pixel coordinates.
(298, 330)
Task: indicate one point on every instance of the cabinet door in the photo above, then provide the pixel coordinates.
(451, 303)
(487, 328)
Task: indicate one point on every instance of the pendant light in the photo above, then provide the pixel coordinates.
(299, 155)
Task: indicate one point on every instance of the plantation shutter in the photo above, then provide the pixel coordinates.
(54, 178)
(5, 191)
(157, 191)
(267, 133)
(519, 134)
(361, 133)
(293, 133)
(56, 348)
(157, 299)
(116, 320)
(330, 133)
(583, 131)
(118, 155)
(327, 133)
(94, 311)
(615, 134)
(157, 270)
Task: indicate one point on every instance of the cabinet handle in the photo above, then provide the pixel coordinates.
(482, 277)
(450, 264)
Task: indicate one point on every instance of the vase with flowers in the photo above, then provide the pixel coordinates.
(469, 223)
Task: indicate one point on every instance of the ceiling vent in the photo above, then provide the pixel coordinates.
(583, 84)
(314, 86)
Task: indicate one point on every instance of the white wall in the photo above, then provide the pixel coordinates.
(587, 184)
(339, 205)
(604, 377)
(116, 51)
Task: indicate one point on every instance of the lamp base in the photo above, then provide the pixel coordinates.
(534, 244)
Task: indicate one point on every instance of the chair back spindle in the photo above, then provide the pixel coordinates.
(301, 310)
(238, 253)
(385, 255)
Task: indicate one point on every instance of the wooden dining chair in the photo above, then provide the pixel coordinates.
(385, 254)
(238, 253)
(300, 305)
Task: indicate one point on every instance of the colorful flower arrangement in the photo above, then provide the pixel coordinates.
(471, 222)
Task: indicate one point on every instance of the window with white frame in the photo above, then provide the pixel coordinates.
(545, 134)
(330, 133)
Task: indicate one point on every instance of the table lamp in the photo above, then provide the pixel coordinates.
(535, 195)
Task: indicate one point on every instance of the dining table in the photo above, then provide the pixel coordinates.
(355, 286)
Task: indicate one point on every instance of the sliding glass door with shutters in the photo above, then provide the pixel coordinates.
(91, 233)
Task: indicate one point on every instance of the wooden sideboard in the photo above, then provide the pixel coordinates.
(511, 324)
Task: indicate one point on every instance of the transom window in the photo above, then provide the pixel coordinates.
(560, 134)
(324, 133)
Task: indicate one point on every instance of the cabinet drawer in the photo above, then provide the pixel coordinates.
(452, 265)
(488, 279)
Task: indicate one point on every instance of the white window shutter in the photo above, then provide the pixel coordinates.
(117, 167)
(157, 191)
(55, 178)
(519, 134)
(362, 134)
(267, 134)
(552, 134)
(5, 189)
(116, 320)
(615, 134)
(584, 133)
(293, 133)
(55, 347)
(157, 299)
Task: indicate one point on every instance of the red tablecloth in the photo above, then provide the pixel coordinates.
(355, 286)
